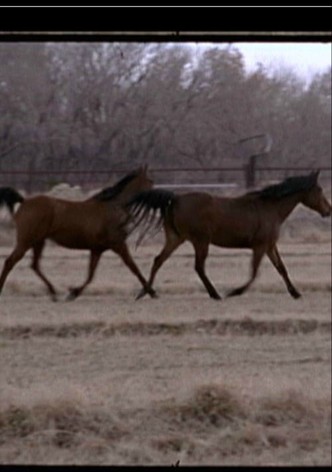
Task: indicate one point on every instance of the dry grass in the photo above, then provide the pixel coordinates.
(180, 379)
(62, 423)
(211, 405)
(245, 326)
(213, 425)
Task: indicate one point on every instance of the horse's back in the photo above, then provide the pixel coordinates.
(194, 200)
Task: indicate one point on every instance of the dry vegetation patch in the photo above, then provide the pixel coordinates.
(244, 326)
(214, 424)
(61, 422)
(209, 405)
(221, 422)
(180, 379)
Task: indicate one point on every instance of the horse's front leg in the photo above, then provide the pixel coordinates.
(35, 266)
(171, 244)
(276, 260)
(201, 253)
(123, 252)
(74, 292)
(10, 262)
(258, 253)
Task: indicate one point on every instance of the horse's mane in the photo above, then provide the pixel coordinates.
(289, 186)
(109, 193)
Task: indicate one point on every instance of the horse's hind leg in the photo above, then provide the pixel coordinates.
(258, 253)
(201, 252)
(276, 260)
(10, 262)
(94, 260)
(36, 255)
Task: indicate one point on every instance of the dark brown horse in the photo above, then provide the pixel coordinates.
(96, 224)
(250, 221)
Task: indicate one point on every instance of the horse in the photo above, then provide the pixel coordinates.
(96, 224)
(252, 221)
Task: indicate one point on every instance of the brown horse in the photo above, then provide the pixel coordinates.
(250, 221)
(96, 224)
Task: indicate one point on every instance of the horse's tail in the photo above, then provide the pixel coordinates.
(152, 208)
(9, 197)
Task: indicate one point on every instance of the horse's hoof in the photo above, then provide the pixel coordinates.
(295, 294)
(54, 297)
(141, 294)
(72, 295)
(234, 293)
(153, 294)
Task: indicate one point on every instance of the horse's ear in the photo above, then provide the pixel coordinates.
(315, 175)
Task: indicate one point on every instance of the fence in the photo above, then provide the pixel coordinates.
(176, 177)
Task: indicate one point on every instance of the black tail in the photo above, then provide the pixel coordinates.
(147, 205)
(8, 197)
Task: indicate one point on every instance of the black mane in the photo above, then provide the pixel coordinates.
(109, 193)
(288, 187)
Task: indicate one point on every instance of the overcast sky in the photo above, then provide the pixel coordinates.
(305, 59)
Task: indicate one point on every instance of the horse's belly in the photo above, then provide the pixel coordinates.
(71, 242)
(100, 239)
(235, 232)
(232, 237)
(231, 242)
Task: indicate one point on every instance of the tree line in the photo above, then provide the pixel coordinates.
(98, 106)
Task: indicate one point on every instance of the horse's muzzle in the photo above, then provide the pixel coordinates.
(326, 213)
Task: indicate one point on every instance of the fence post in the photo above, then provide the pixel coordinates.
(250, 172)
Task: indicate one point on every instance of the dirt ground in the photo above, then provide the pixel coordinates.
(181, 379)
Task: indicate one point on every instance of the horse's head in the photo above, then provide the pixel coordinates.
(137, 182)
(142, 180)
(315, 199)
(126, 188)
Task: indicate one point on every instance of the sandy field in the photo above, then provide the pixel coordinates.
(181, 379)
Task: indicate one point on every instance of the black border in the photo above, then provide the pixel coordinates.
(163, 23)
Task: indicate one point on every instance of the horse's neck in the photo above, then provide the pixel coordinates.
(287, 205)
(125, 196)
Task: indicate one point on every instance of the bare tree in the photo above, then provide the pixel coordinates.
(97, 106)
